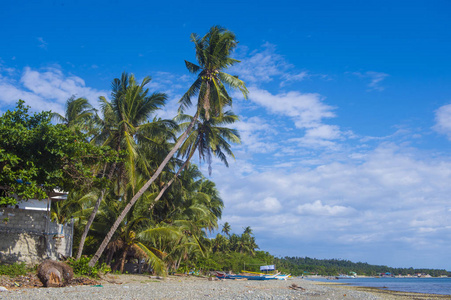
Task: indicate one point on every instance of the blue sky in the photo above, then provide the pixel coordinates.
(347, 130)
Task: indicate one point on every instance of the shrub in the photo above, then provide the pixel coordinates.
(81, 267)
(14, 270)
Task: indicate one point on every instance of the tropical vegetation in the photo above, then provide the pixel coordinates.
(133, 191)
(311, 266)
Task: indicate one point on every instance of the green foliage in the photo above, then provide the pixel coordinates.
(37, 156)
(306, 265)
(207, 264)
(81, 267)
(14, 270)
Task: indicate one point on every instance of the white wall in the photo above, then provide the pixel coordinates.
(33, 204)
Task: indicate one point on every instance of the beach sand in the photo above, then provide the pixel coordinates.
(175, 287)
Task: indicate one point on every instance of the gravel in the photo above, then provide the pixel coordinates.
(194, 288)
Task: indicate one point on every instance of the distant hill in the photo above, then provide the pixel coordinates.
(306, 265)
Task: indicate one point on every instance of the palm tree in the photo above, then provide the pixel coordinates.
(248, 230)
(226, 228)
(220, 243)
(126, 241)
(79, 115)
(213, 55)
(207, 137)
(125, 117)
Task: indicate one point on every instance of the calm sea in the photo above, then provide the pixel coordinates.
(417, 285)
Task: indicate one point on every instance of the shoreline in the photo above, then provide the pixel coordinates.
(385, 293)
(189, 287)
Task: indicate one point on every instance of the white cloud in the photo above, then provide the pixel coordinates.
(46, 89)
(391, 195)
(317, 208)
(267, 205)
(11, 93)
(327, 132)
(42, 43)
(443, 120)
(253, 132)
(288, 78)
(375, 79)
(262, 66)
(307, 110)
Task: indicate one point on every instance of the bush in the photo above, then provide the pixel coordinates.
(14, 270)
(81, 267)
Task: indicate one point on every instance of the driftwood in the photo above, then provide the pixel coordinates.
(51, 273)
(296, 287)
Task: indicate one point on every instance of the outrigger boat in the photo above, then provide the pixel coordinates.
(278, 275)
(248, 275)
(222, 275)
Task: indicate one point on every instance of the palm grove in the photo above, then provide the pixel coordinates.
(133, 190)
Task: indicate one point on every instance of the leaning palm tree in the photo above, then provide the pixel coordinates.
(126, 241)
(213, 55)
(125, 117)
(208, 137)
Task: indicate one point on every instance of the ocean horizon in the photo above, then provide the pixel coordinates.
(433, 285)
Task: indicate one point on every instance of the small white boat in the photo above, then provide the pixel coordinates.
(282, 277)
(345, 276)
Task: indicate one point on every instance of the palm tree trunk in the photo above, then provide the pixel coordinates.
(88, 225)
(93, 213)
(109, 257)
(135, 198)
(177, 263)
(124, 257)
(167, 185)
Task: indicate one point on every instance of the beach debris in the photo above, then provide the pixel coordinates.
(51, 273)
(83, 281)
(3, 289)
(31, 280)
(296, 287)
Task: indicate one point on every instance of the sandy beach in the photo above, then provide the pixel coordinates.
(174, 287)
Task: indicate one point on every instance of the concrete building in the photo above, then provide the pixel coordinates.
(28, 235)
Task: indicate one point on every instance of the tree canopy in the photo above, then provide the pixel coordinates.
(37, 156)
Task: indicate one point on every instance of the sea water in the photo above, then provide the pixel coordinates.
(417, 285)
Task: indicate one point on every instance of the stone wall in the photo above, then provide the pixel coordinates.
(29, 236)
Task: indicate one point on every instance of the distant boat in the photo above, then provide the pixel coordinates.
(345, 276)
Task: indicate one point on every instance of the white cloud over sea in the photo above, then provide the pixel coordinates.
(395, 195)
